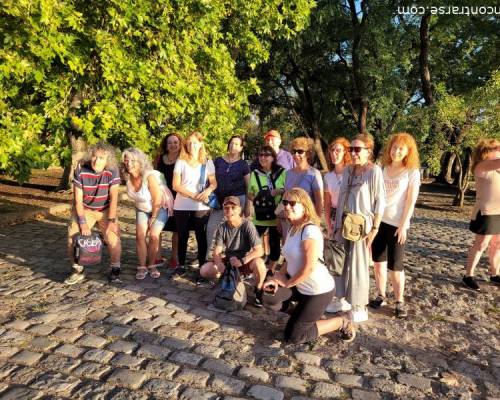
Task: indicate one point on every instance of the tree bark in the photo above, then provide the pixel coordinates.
(463, 178)
(425, 73)
(78, 148)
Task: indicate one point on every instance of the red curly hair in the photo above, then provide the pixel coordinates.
(411, 160)
(347, 156)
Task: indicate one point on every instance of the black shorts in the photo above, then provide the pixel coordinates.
(385, 247)
(485, 224)
(170, 226)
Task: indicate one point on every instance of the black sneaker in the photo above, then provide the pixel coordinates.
(378, 302)
(179, 270)
(347, 331)
(258, 298)
(470, 282)
(400, 311)
(114, 275)
(200, 281)
(74, 278)
(495, 279)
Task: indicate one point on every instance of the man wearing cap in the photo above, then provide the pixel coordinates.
(283, 157)
(242, 247)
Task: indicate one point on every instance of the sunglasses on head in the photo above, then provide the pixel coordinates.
(298, 151)
(291, 203)
(265, 154)
(356, 149)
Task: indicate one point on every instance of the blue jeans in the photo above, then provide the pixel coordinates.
(142, 218)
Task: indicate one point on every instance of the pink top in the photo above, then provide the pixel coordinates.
(487, 193)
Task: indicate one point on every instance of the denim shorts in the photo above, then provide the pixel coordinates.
(142, 218)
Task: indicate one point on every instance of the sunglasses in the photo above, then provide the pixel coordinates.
(356, 149)
(291, 203)
(265, 155)
(298, 151)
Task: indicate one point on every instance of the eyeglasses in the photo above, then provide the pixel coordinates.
(356, 149)
(298, 151)
(265, 155)
(291, 203)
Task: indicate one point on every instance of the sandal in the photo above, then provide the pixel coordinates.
(141, 273)
(153, 272)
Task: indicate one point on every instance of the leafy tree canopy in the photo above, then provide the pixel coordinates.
(128, 71)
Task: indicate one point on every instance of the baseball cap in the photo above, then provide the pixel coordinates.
(232, 200)
(273, 133)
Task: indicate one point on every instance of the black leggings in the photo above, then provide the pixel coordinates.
(192, 220)
(274, 241)
(301, 327)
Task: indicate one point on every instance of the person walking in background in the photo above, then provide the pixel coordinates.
(170, 149)
(303, 277)
(153, 202)
(95, 186)
(362, 193)
(338, 159)
(267, 185)
(485, 220)
(402, 182)
(232, 175)
(194, 181)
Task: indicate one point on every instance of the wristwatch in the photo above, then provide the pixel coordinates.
(112, 219)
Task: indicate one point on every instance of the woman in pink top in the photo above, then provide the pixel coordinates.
(486, 214)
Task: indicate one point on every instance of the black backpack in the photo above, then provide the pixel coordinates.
(263, 203)
(230, 292)
(334, 255)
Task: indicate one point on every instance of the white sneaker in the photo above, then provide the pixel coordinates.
(359, 314)
(338, 305)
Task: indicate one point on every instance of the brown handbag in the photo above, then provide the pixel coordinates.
(353, 225)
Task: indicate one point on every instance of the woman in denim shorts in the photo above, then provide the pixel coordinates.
(153, 203)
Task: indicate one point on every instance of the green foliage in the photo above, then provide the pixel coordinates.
(128, 71)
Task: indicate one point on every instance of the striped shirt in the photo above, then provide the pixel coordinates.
(95, 186)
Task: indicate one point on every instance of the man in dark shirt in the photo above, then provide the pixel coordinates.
(239, 240)
(95, 190)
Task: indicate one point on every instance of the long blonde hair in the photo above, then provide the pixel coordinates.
(300, 195)
(202, 154)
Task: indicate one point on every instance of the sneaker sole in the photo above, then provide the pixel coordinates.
(74, 282)
(470, 288)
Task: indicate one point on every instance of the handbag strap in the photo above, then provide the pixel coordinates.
(257, 178)
(203, 177)
(320, 259)
(350, 178)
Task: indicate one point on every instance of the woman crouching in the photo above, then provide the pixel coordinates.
(303, 277)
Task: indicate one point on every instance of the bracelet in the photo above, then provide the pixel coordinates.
(375, 227)
(81, 220)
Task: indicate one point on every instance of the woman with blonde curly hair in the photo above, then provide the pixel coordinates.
(304, 278)
(402, 183)
(485, 221)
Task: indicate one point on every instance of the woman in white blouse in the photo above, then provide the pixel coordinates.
(304, 278)
(153, 203)
(194, 181)
(402, 182)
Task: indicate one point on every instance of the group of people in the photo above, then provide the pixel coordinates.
(252, 216)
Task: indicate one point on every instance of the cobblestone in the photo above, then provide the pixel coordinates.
(145, 340)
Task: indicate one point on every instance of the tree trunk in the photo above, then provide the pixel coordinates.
(463, 178)
(78, 148)
(425, 73)
(318, 148)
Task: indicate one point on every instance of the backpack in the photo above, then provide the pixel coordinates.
(334, 255)
(264, 203)
(87, 249)
(230, 292)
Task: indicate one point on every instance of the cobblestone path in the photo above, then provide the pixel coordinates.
(145, 340)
